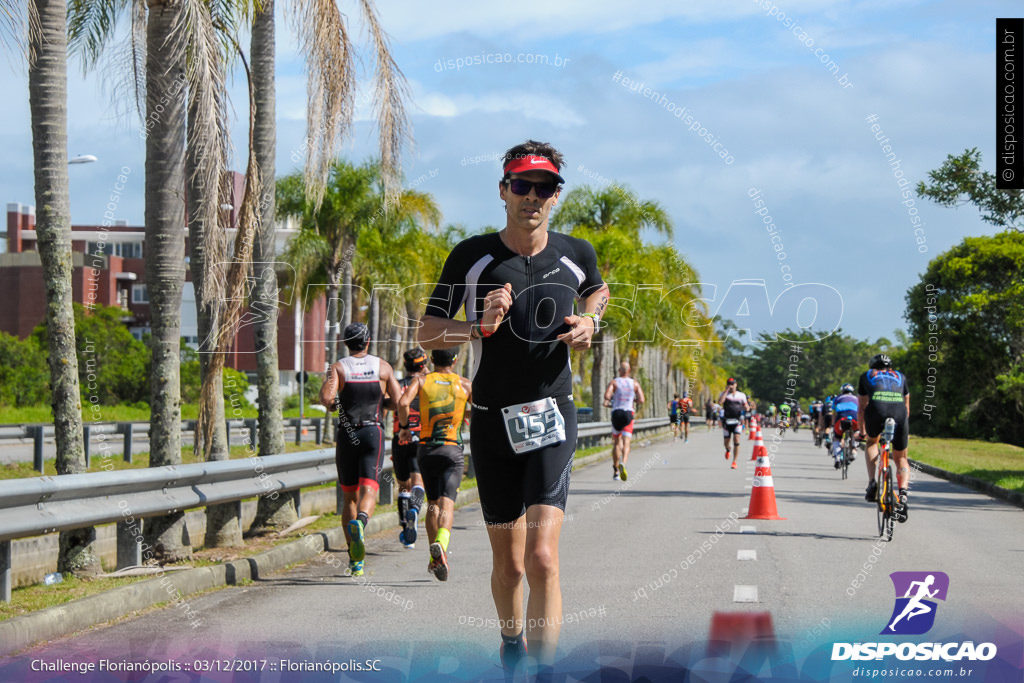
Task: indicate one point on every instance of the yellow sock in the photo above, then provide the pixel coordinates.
(442, 537)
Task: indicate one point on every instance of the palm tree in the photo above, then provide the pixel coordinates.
(47, 78)
(612, 219)
(282, 510)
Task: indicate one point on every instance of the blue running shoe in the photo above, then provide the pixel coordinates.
(411, 517)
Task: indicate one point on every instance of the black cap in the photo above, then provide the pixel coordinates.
(356, 336)
(444, 357)
(415, 359)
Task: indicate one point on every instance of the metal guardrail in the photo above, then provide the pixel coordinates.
(248, 427)
(42, 505)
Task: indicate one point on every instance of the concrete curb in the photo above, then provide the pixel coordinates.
(19, 633)
(980, 485)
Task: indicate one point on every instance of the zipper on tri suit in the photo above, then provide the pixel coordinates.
(529, 299)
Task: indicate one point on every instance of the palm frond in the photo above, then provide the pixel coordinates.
(13, 25)
(330, 86)
(390, 92)
(207, 139)
(91, 26)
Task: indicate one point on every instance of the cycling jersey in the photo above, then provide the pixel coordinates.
(883, 386)
(361, 398)
(816, 408)
(785, 409)
(444, 401)
(846, 406)
(826, 408)
(523, 360)
(885, 390)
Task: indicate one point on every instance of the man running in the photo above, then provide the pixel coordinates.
(883, 392)
(734, 403)
(519, 287)
(673, 416)
(709, 414)
(358, 385)
(442, 396)
(403, 453)
(622, 395)
(685, 408)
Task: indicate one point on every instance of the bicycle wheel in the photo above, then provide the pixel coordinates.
(846, 460)
(883, 483)
(891, 505)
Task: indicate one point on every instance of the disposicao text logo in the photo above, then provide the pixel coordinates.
(914, 614)
(916, 592)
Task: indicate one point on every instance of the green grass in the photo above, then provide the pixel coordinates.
(113, 458)
(1001, 464)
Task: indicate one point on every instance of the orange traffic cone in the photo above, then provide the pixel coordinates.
(762, 493)
(753, 428)
(759, 449)
(728, 628)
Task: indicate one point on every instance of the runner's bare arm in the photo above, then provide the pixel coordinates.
(579, 337)
(436, 332)
(393, 390)
(334, 382)
(641, 399)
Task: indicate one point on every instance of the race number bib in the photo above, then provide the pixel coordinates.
(732, 422)
(533, 425)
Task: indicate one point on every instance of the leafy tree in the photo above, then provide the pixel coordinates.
(960, 181)
(966, 358)
(24, 379)
(812, 365)
(113, 366)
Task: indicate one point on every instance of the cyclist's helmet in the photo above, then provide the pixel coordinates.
(847, 388)
(356, 336)
(880, 362)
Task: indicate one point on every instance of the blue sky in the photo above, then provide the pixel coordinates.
(740, 68)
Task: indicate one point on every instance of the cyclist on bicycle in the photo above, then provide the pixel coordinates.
(825, 423)
(784, 410)
(815, 409)
(883, 393)
(845, 407)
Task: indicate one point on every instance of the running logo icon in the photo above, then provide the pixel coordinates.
(916, 592)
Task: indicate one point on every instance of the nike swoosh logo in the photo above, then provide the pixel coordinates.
(534, 161)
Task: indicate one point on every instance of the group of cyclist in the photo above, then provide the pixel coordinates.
(881, 393)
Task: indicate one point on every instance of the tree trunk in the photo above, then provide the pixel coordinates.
(47, 83)
(375, 326)
(281, 511)
(334, 349)
(222, 522)
(347, 301)
(165, 253)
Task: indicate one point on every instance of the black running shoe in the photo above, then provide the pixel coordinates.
(900, 513)
(871, 495)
